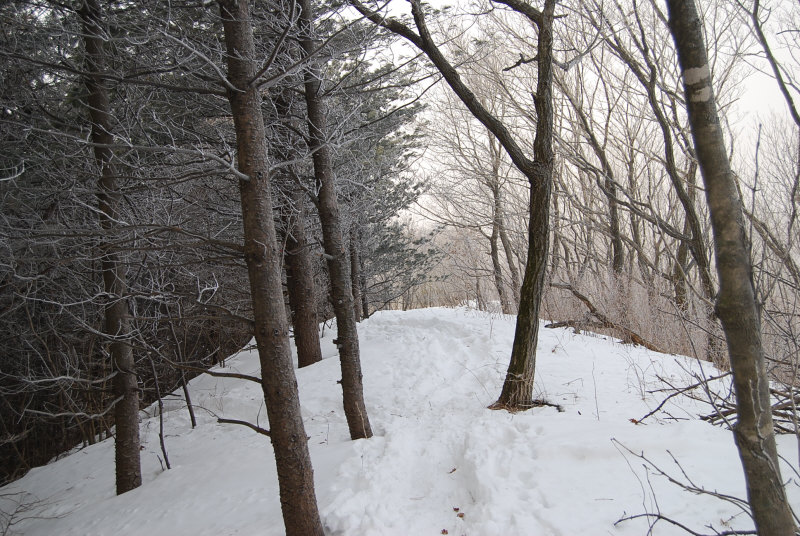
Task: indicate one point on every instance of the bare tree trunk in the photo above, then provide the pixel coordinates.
(736, 302)
(355, 273)
(295, 475)
(518, 389)
(497, 270)
(499, 227)
(362, 283)
(680, 272)
(609, 185)
(300, 284)
(517, 392)
(117, 319)
(512, 265)
(648, 80)
(333, 241)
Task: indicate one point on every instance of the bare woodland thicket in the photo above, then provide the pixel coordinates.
(177, 178)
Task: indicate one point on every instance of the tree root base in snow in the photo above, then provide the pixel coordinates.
(514, 408)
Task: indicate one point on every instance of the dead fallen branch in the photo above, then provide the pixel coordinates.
(602, 320)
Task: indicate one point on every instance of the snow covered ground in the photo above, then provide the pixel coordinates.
(440, 461)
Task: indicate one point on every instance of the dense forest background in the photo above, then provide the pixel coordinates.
(177, 178)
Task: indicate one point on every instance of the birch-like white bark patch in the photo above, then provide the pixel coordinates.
(696, 75)
(702, 94)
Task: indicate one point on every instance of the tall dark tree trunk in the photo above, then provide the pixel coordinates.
(333, 240)
(300, 285)
(736, 302)
(517, 390)
(117, 317)
(295, 475)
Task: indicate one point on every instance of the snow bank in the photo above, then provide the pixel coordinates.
(440, 461)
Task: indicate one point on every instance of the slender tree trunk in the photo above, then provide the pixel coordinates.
(736, 302)
(117, 319)
(512, 265)
(355, 273)
(300, 284)
(333, 241)
(295, 475)
(362, 283)
(497, 270)
(517, 392)
(680, 272)
(609, 186)
(499, 227)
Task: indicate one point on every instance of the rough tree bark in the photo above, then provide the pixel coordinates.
(333, 240)
(117, 318)
(295, 475)
(517, 392)
(736, 302)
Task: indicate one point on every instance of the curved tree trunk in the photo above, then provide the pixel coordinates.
(333, 241)
(736, 303)
(295, 475)
(117, 318)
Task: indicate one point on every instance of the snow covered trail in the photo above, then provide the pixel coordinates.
(440, 461)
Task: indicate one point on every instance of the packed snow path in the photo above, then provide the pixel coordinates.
(440, 461)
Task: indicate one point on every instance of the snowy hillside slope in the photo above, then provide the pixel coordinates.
(440, 461)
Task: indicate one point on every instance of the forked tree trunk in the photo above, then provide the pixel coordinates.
(117, 319)
(300, 285)
(736, 302)
(295, 475)
(333, 240)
